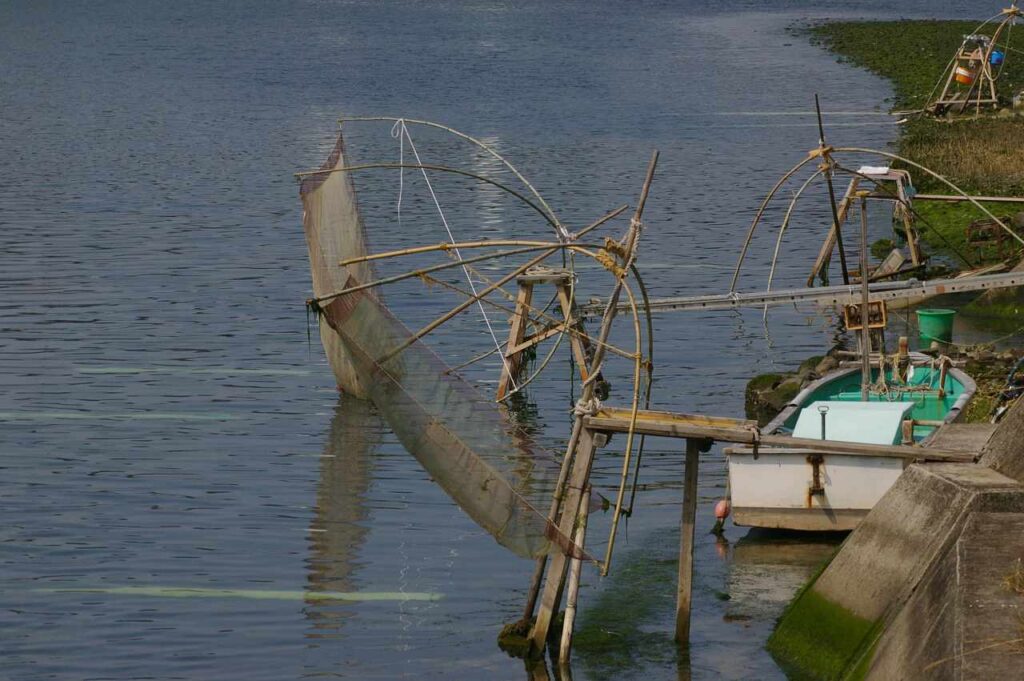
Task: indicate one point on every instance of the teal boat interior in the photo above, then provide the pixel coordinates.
(922, 389)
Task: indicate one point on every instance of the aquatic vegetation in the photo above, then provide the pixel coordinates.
(982, 155)
(615, 632)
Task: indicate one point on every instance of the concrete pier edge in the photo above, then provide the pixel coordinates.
(917, 590)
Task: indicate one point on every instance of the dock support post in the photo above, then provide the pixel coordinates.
(686, 532)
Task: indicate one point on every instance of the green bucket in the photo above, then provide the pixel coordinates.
(936, 325)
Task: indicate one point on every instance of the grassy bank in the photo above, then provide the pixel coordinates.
(984, 156)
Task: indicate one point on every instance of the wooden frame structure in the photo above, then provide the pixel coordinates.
(901, 198)
(969, 80)
(699, 431)
(519, 342)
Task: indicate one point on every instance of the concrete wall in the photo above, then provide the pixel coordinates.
(895, 601)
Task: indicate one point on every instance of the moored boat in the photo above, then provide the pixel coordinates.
(800, 490)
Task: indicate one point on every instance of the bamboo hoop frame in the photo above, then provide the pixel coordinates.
(815, 153)
(439, 168)
(560, 230)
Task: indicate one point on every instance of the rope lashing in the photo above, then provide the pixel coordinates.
(615, 247)
(609, 263)
(824, 152)
(589, 408)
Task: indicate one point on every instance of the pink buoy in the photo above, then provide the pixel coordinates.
(722, 509)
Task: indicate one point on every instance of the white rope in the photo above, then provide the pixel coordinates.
(403, 131)
(583, 409)
(396, 133)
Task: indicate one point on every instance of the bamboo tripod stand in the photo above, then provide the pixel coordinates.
(970, 81)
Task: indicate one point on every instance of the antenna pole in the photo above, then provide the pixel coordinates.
(827, 163)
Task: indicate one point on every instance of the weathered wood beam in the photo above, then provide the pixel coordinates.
(667, 424)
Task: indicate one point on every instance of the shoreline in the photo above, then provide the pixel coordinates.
(983, 155)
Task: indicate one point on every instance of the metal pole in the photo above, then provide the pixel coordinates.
(865, 331)
(831, 192)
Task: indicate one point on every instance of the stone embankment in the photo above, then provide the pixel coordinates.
(931, 584)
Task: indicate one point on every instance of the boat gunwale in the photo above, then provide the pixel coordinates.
(774, 426)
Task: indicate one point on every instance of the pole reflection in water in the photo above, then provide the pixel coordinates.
(339, 527)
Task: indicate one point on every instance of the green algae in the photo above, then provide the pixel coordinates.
(821, 640)
(622, 629)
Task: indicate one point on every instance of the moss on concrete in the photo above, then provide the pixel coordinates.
(818, 639)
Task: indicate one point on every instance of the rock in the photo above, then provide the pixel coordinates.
(826, 365)
(783, 393)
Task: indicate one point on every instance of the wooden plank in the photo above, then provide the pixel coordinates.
(663, 424)
(684, 585)
(544, 275)
(510, 367)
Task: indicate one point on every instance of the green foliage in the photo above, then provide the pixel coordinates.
(913, 54)
(983, 155)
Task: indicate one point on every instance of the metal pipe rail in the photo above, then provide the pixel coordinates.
(825, 295)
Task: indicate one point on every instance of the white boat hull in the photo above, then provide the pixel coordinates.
(775, 489)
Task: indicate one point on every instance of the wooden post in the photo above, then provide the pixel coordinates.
(825, 254)
(513, 359)
(575, 566)
(580, 345)
(684, 588)
(555, 580)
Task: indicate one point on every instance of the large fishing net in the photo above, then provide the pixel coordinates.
(464, 440)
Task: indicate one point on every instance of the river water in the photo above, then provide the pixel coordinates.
(178, 470)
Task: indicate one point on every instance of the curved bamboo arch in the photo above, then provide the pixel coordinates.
(851, 150)
(560, 230)
(760, 214)
(785, 224)
(439, 168)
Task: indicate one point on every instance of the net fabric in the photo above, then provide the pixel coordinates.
(465, 441)
(334, 231)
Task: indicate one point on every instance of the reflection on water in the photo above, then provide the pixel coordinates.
(767, 567)
(339, 527)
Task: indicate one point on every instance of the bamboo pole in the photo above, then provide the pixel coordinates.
(684, 586)
(541, 316)
(427, 270)
(827, 162)
(575, 566)
(554, 578)
(449, 246)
